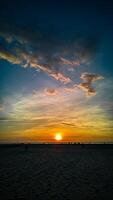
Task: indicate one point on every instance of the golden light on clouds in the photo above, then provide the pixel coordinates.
(33, 120)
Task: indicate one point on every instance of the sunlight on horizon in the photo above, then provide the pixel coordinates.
(58, 136)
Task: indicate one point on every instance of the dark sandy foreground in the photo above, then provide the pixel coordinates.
(59, 172)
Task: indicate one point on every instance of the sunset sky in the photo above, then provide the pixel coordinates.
(56, 71)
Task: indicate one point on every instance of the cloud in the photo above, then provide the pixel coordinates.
(61, 77)
(51, 45)
(9, 57)
(72, 88)
(69, 62)
(90, 91)
(56, 75)
(22, 36)
(48, 52)
(88, 77)
(69, 89)
(30, 61)
(87, 85)
(51, 92)
(33, 108)
(69, 124)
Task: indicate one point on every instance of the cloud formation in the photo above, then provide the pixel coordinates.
(70, 62)
(88, 77)
(86, 86)
(90, 91)
(51, 92)
(50, 45)
(9, 57)
(52, 73)
(28, 61)
(51, 54)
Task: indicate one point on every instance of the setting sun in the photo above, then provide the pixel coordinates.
(58, 136)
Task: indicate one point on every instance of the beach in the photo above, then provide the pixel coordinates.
(55, 172)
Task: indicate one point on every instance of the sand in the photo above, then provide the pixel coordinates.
(56, 173)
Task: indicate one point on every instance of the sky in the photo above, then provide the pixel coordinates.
(56, 71)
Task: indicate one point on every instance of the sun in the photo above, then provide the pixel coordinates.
(58, 136)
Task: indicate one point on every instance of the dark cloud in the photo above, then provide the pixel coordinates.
(69, 124)
(86, 86)
(88, 78)
(90, 91)
(52, 45)
(47, 51)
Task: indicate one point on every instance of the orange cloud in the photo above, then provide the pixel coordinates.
(51, 92)
(9, 57)
(33, 62)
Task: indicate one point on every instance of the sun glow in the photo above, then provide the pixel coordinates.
(58, 136)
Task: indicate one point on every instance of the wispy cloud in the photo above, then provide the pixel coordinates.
(40, 108)
(29, 61)
(47, 51)
(51, 55)
(72, 63)
(9, 57)
(42, 114)
(56, 75)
